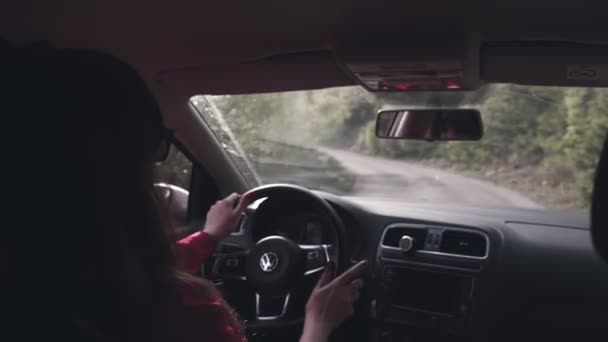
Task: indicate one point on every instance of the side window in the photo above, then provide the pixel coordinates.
(175, 170)
(173, 183)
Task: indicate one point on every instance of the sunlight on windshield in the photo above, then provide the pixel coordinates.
(540, 147)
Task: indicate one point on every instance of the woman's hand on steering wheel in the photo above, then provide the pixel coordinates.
(331, 302)
(224, 216)
(276, 267)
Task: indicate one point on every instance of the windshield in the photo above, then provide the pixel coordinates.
(539, 150)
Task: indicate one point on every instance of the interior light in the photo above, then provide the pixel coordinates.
(384, 84)
(402, 86)
(452, 84)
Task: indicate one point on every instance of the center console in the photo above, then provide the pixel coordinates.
(426, 277)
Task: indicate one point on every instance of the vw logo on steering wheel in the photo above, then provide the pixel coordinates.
(269, 261)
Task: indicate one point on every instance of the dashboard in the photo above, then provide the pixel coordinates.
(473, 274)
(445, 272)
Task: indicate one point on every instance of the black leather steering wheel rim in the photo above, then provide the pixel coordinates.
(336, 223)
(283, 246)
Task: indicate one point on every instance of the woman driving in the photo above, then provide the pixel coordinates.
(116, 275)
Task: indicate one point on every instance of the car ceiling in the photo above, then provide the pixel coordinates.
(197, 43)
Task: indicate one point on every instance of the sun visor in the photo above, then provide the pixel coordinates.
(310, 70)
(542, 63)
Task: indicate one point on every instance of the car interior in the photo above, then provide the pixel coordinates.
(437, 271)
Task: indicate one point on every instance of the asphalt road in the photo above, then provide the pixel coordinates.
(389, 178)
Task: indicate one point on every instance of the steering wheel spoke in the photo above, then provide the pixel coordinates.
(269, 308)
(230, 265)
(316, 257)
(277, 269)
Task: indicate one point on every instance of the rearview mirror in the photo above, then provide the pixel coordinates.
(429, 124)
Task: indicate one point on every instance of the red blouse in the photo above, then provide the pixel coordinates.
(200, 318)
(192, 251)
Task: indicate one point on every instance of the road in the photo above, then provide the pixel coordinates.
(389, 178)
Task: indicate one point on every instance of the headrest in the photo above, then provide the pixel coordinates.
(599, 205)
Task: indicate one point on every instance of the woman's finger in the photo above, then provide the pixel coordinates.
(352, 273)
(243, 202)
(326, 276)
(355, 296)
(357, 284)
(354, 290)
(231, 198)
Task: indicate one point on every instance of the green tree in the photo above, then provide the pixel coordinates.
(587, 123)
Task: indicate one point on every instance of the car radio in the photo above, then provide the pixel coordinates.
(427, 273)
(426, 298)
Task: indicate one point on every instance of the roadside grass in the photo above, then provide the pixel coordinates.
(551, 187)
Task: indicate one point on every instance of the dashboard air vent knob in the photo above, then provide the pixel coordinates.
(406, 243)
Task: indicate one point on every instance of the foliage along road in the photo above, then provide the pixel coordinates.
(389, 178)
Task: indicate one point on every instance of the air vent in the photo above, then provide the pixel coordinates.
(463, 243)
(394, 234)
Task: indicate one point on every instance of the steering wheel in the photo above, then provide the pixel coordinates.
(275, 267)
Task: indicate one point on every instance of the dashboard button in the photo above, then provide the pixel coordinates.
(312, 255)
(315, 259)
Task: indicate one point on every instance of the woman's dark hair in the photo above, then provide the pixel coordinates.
(91, 251)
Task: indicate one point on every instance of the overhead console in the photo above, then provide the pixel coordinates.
(426, 275)
(450, 66)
